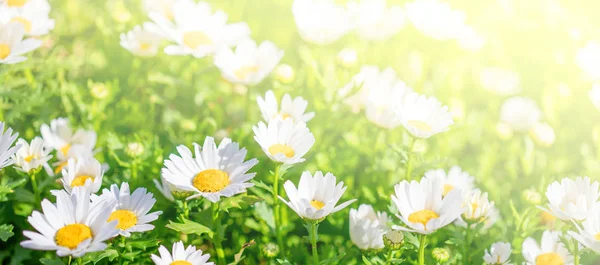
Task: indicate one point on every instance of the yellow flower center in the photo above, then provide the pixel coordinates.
(422, 217)
(16, 3)
(547, 218)
(145, 46)
(180, 262)
(126, 218)
(26, 23)
(284, 115)
(549, 259)
(420, 125)
(281, 149)
(65, 149)
(447, 189)
(29, 158)
(211, 180)
(4, 51)
(60, 166)
(244, 72)
(597, 236)
(80, 181)
(193, 39)
(317, 204)
(71, 235)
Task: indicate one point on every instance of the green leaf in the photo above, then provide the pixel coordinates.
(6, 231)
(265, 213)
(238, 202)
(110, 254)
(366, 261)
(143, 244)
(46, 261)
(262, 185)
(190, 227)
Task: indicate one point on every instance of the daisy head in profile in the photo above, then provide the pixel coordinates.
(131, 209)
(498, 254)
(12, 44)
(455, 178)
(294, 109)
(60, 136)
(7, 150)
(85, 172)
(424, 116)
(73, 226)
(180, 255)
(572, 199)
(141, 40)
(284, 141)
(316, 196)
(249, 63)
(31, 156)
(368, 227)
(422, 206)
(211, 171)
(321, 22)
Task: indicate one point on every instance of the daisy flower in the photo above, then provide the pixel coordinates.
(211, 172)
(520, 113)
(435, 19)
(375, 21)
(455, 179)
(424, 116)
(383, 100)
(595, 95)
(293, 109)
(42, 5)
(131, 209)
(498, 254)
(12, 45)
(86, 172)
(476, 206)
(500, 81)
(7, 138)
(284, 141)
(321, 21)
(73, 226)
(140, 41)
(198, 31)
(572, 199)
(60, 136)
(367, 227)
(316, 196)
(75, 153)
(34, 18)
(250, 63)
(162, 7)
(589, 234)
(32, 156)
(369, 77)
(588, 59)
(422, 206)
(181, 256)
(551, 250)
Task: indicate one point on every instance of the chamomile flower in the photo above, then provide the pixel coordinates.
(140, 41)
(476, 206)
(456, 178)
(131, 209)
(316, 196)
(293, 109)
(34, 18)
(572, 199)
(181, 256)
(212, 171)
(376, 21)
(284, 141)
(367, 227)
(42, 5)
(162, 7)
(86, 172)
(520, 113)
(60, 136)
(589, 233)
(31, 157)
(12, 45)
(595, 95)
(249, 64)
(588, 59)
(72, 226)
(498, 254)
(7, 138)
(500, 81)
(424, 116)
(550, 251)
(422, 206)
(75, 153)
(197, 31)
(383, 101)
(321, 21)
(435, 19)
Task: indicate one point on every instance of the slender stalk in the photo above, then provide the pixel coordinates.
(576, 252)
(388, 256)
(409, 165)
(186, 210)
(467, 244)
(312, 232)
(422, 250)
(70, 259)
(80, 261)
(277, 210)
(218, 237)
(36, 194)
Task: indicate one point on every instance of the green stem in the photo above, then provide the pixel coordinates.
(36, 194)
(218, 237)
(388, 256)
(80, 261)
(186, 210)
(312, 232)
(409, 164)
(576, 252)
(277, 211)
(422, 250)
(70, 259)
(467, 244)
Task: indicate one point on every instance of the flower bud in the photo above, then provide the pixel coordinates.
(284, 73)
(347, 57)
(134, 149)
(532, 196)
(393, 239)
(441, 255)
(270, 250)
